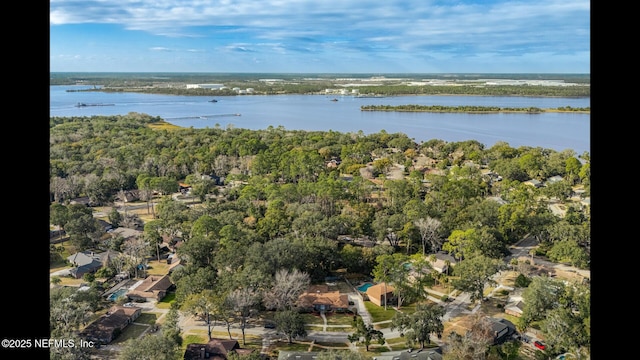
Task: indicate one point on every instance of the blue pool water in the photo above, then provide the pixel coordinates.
(116, 294)
(364, 287)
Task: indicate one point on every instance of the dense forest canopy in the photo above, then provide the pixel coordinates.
(322, 183)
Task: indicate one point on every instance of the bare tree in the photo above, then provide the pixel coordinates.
(118, 263)
(428, 228)
(243, 301)
(137, 249)
(287, 287)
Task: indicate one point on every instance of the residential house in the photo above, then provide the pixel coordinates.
(215, 349)
(153, 287)
(533, 182)
(554, 179)
(319, 298)
(106, 226)
(217, 180)
(493, 177)
(333, 163)
(89, 262)
(128, 195)
(376, 294)
(502, 329)
(81, 200)
(126, 233)
(106, 328)
(440, 262)
(84, 262)
(514, 305)
(184, 189)
(514, 309)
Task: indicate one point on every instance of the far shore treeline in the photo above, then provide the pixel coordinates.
(576, 85)
(469, 109)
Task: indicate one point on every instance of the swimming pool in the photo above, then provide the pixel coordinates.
(364, 287)
(116, 294)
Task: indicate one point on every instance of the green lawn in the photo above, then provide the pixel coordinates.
(147, 318)
(285, 346)
(378, 313)
(133, 331)
(339, 319)
(192, 339)
(166, 301)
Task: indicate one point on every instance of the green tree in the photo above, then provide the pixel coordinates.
(542, 294)
(419, 325)
(164, 185)
(290, 323)
(67, 312)
(143, 182)
(59, 216)
(206, 226)
(149, 347)
(151, 233)
(475, 273)
(202, 304)
(170, 328)
(365, 333)
(115, 217)
(569, 251)
(572, 170)
(194, 281)
(563, 330)
(560, 190)
(459, 243)
(82, 227)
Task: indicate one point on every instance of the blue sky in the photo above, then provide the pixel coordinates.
(321, 36)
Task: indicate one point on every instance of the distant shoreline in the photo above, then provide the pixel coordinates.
(470, 109)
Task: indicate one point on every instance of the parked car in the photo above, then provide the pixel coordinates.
(269, 325)
(539, 345)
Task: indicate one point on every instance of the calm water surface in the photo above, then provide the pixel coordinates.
(558, 131)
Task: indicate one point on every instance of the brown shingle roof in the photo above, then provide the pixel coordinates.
(320, 295)
(152, 286)
(377, 290)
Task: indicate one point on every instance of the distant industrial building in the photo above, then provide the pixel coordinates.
(206, 86)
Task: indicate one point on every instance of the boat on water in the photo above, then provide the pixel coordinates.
(213, 100)
(334, 99)
(80, 104)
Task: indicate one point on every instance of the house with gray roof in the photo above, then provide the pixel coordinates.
(89, 262)
(84, 262)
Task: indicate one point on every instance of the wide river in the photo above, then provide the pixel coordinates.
(557, 131)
